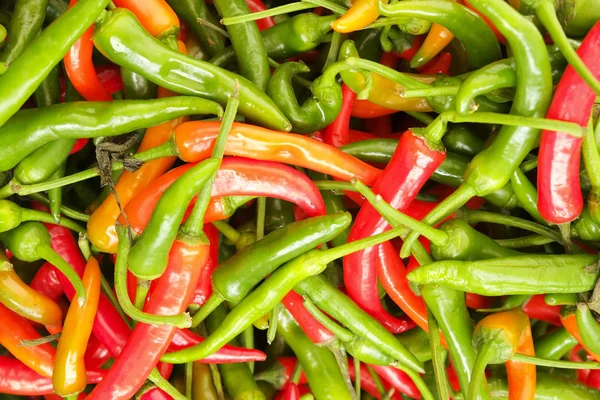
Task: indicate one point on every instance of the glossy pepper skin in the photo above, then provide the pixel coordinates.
(480, 42)
(317, 111)
(155, 16)
(569, 322)
(247, 43)
(42, 54)
(409, 169)
(299, 34)
(25, 23)
(361, 14)
(69, 375)
(30, 129)
(548, 386)
(559, 191)
(145, 54)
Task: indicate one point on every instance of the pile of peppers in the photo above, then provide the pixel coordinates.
(314, 199)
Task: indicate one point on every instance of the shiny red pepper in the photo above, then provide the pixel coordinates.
(559, 190)
(204, 287)
(439, 65)
(315, 331)
(337, 133)
(536, 308)
(409, 169)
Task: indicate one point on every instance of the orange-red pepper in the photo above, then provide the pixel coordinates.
(437, 39)
(156, 16)
(69, 375)
(569, 322)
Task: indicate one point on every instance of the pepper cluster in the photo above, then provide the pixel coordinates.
(323, 199)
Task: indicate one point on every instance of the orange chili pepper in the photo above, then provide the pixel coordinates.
(361, 14)
(101, 226)
(15, 329)
(23, 300)
(569, 322)
(437, 39)
(69, 375)
(156, 16)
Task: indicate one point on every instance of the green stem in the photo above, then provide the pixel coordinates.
(430, 92)
(524, 242)
(344, 334)
(48, 254)
(420, 116)
(377, 379)
(261, 210)
(334, 49)
(39, 341)
(547, 14)
(591, 155)
(161, 383)
(438, 357)
(397, 218)
(295, 378)
(478, 373)
(248, 342)
(180, 320)
(141, 293)
(211, 304)
(189, 379)
(195, 222)
(330, 5)
(386, 72)
(357, 377)
(35, 215)
(227, 230)
(335, 185)
(273, 322)
(542, 362)
(419, 383)
(329, 75)
(69, 212)
(272, 12)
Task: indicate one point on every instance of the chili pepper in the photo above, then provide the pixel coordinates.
(280, 213)
(136, 87)
(536, 308)
(439, 65)
(497, 338)
(16, 329)
(479, 41)
(96, 354)
(202, 383)
(410, 167)
(155, 16)
(559, 193)
(235, 278)
(280, 282)
(17, 378)
(437, 38)
(338, 132)
(549, 386)
(555, 344)
(318, 111)
(25, 301)
(257, 6)
(30, 129)
(577, 18)
(588, 327)
(204, 288)
(42, 54)
(13, 215)
(237, 378)
(297, 35)
(316, 332)
(319, 365)
(361, 14)
(45, 282)
(25, 24)
(30, 241)
(499, 35)
(69, 376)
(511, 144)
(193, 12)
(512, 275)
(145, 55)
(49, 90)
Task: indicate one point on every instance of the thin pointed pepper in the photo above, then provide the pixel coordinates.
(409, 169)
(16, 329)
(45, 282)
(69, 375)
(25, 301)
(43, 53)
(25, 23)
(204, 288)
(437, 39)
(555, 345)
(337, 133)
(361, 14)
(532, 97)
(559, 192)
(317, 333)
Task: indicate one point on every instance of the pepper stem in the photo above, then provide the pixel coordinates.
(386, 72)
(331, 72)
(211, 304)
(419, 383)
(524, 242)
(180, 320)
(438, 358)
(478, 372)
(160, 382)
(543, 362)
(547, 14)
(450, 204)
(344, 334)
(47, 253)
(35, 215)
(430, 92)
(272, 12)
(397, 218)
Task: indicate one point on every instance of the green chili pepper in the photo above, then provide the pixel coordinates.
(555, 345)
(247, 43)
(237, 378)
(12, 215)
(26, 22)
(55, 9)
(548, 386)
(318, 363)
(297, 35)
(460, 140)
(318, 111)
(526, 194)
(334, 204)
(445, 103)
(368, 44)
(136, 87)
(194, 12)
(279, 213)
(124, 41)
(528, 274)
(236, 277)
(578, 16)
(37, 60)
(449, 173)
(30, 241)
(588, 327)
(149, 255)
(48, 92)
(477, 37)
(561, 299)
(417, 342)
(30, 129)
(43, 163)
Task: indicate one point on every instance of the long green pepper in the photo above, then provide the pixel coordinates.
(25, 23)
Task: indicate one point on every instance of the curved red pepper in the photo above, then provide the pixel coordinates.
(96, 354)
(536, 308)
(237, 176)
(439, 65)
(204, 288)
(16, 378)
(315, 331)
(399, 380)
(45, 281)
(408, 54)
(256, 6)
(409, 169)
(367, 383)
(559, 190)
(337, 133)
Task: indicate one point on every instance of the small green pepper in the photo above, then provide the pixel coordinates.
(588, 327)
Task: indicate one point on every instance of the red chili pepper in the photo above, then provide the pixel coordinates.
(569, 322)
(110, 77)
(409, 169)
(96, 354)
(478, 302)
(399, 380)
(256, 6)
(408, 54)
(559, 191)
(536, 308)
(593, 379)
(367, 383)
(237, 176)
(316, 332)
(17, 378)
(204, 288)
(46, 282)
(439, 65)
(337, 133)
(80, 69)
(582, 374)
(156, 16)
(290, 392)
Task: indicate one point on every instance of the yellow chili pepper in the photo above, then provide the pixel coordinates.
(437, 39)
(361, 14)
